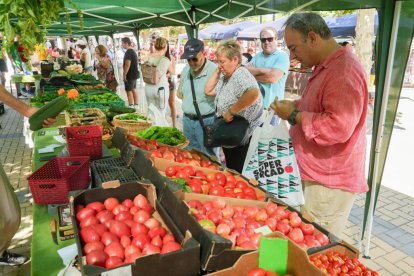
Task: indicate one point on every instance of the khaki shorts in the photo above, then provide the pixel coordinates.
(329, 208)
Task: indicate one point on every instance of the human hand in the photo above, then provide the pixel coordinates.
(46, 123)
(283, 108)
(227, 117)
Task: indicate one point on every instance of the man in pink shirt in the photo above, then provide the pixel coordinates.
(328, 122)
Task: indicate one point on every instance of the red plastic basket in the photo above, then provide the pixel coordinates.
(51, 183)
(84, 141)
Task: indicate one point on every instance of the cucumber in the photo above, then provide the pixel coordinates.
(119, 109)
(110, 115)
(50, 110)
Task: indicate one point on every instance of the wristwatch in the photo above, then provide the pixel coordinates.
(292, 117)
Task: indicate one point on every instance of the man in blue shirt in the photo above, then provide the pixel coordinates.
(270, 67)
(201, 69)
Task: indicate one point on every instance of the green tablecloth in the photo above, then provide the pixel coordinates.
(45, 259)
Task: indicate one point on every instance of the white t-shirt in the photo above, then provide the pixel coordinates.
(88, 59)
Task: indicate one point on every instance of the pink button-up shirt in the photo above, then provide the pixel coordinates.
(330, 144)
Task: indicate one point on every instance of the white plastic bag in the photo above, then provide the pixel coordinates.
(271, 161)
(156, 116)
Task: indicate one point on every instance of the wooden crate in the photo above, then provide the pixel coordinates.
(76, 117)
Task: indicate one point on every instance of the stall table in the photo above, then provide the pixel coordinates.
(45, 259)
(22, 78)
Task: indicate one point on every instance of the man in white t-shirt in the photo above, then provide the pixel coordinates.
(85, 56)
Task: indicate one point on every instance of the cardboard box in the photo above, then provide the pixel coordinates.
(182, 262)
(216, 252)
(162, 164)
(121, 142)
(298, 263)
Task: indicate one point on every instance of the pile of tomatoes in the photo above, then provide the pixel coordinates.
(237, 223)
(217, 184)
(335, 263)
(261, 272)
(117, 233)
(172, 153)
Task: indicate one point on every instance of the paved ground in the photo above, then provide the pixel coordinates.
(392, 247)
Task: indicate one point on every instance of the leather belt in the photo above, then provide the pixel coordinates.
(195, 117)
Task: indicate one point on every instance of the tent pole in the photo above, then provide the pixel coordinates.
(378, 144)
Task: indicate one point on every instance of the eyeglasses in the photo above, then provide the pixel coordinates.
(269, 39)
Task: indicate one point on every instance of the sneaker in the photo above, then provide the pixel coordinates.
(22, 97)
(12, 259)
(136, 106)
(131, 105)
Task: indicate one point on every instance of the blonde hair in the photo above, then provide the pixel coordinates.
(230, 48)
(160, 43)
(102, 50)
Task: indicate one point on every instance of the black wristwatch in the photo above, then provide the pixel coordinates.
(292, 117)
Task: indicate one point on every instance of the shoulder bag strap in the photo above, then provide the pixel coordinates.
(195, 102)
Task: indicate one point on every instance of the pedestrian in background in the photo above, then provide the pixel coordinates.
(130, 72)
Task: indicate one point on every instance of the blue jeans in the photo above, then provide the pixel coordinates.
(194, 133)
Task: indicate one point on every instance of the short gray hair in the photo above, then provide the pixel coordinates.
(230, 48)
(269, 29)
(308, 22)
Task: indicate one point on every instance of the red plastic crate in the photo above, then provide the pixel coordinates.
(51, 183)
(84, 141)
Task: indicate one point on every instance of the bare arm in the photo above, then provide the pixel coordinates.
(171, 68)
(21, 107)
(265, 75)
(127, 65)
(247, 99)
(211, 83)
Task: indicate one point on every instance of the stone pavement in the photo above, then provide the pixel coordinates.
(392, 243)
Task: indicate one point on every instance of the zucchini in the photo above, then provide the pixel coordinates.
(121, 110)
(50, 110)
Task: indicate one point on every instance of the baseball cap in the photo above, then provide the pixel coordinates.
(192, 48)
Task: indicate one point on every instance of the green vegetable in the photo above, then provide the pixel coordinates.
(52, 109)
(183, 184)
(123, 109)
(165, 135)
(133, 117)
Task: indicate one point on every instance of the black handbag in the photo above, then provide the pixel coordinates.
(221, 133)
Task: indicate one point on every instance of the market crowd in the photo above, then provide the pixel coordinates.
(327, 124)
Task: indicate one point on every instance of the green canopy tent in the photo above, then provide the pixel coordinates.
(395, 31)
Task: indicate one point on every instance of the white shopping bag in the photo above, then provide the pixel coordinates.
(271, 161)
(156, 116)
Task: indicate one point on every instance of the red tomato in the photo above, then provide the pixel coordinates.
(131, 250)
(84, 213)
(141, 216)
(92, 246)
(157, 241)
(140, 201)
(128, 203)
(115, 249)
(140, 240)
(307, 228)
(110, 203)
(97, 257)
(113, 262)
(89, 221)
(157, 231)
(88, 234)
(170, 247)
(125, 241)
(104, 215)
(256, 272)
(205, 163)
(119, 228)
(108, 238)
(217, 191)
(170, 171)
(97, 206)
(168, 155)
(168, 237)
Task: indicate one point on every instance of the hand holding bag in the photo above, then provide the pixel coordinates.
(221, 133)
(272, 162)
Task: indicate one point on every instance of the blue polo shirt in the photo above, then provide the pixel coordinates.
(279, 60)
(205, 103)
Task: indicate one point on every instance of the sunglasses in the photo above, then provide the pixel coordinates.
(192, 59)
(269, 39)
